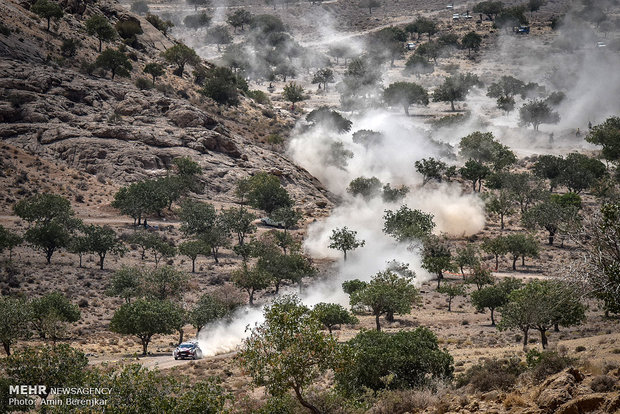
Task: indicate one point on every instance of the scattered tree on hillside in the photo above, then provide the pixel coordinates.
(159, 23)
(474, 171)
(218, 35)
(489, 8)
(15, 321)
(369, 4)
(126, 283)
(455, 88)
(467, 257)
(192, 249)
(48, 10)
(537, 112)
(407, 225)
(366, 187)
(345, 240)
(181, 55)
(51, 313)
(521, 245)
(550, 167)
(164, 283)
(239, 18)
(251, 280)
(496, 247)
(451, 290)
(154, 69)
(332, 314)
(480, 276)
(431, 169)
(405, 94)
(98, 26)
(471, 41)
(607, 135)
(494, 296)
(437, 258)
(197, 21)
(500, 204)
(418, 65)
(264, 191)
(116, 61)
(551, 216)
(323, 115)
(9, 240)
(293, 93)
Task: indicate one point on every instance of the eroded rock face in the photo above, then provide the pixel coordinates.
(113, 129)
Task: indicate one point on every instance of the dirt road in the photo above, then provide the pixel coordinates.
(160, 361)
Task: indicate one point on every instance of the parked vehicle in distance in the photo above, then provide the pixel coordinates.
(411, 46)
(601, 44)
(271, 223)
(187, 350)
(521, 30)
(456, 16)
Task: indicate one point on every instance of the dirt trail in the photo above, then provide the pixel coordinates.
(160, 361)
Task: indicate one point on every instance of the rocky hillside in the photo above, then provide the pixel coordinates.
(111, 128)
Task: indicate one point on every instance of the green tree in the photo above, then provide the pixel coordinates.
(323, 77)
(474, 171)
(165, 283)
(345, 240)
(50, 313)
(490, 8)
(418, 65)
(196, 21)
(332, 314)
(437, 258)
(581, 172)
(98, 26)
(116, 61)
(431, 169)
(103, 240)
(192, 249)
(466, 257)
(407, 225)
(47, 10)
(222, 85)
(266, 193)
(159, 23)
(551, 216)
(366, 187)
(607, 135)
(429, 51)
(496, 247)
(126, 283)
(480, 276)
(55, 366)
(387, 294)
(392, 195)
(288, 351)
(293, 93)
(550, 167)
(471, 41)
(239, 221)
(455, 88)
(521, 245)
(15, 322)
(218, 35)
(43, 208)
(9, 240)
(405, 94)
(537, 112)
(494, 296)
(402, 360)
(325, 116)
(208, 309)
(144, 318)
(251, 280)
(287, 217)
(181, 55)
(196, 217)
(451, 290)
(500, 204)
(239, 18)
(154, 69)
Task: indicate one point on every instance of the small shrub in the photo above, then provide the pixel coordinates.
(546, 363)
(491, 374)
(69, 47)
(4, 30)
(580, 348)
(259, 96)
(602, 383)
(449, 120)
(143, 83)
(83, 303)
(274, 139)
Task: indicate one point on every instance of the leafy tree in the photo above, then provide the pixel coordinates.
(366, 187)
(521, 245)
(208, 309)
(345, 240)
(474, 171)
(409, 359)
(115, 61)
(192, 249)
(50, 313)
(350, 286)
(98, 26)
(386, 294)
(436, 257)
(551, 216)
(494, 296)
(431, 169)
(165, 283)
(405, 94)
(483, 147)
(218, 35)
(196, 21)
(418, 65)
(266, 193)
(451, 290)
(15, 322)
(407, 225)
(288, 351)
(47, 10)
(323, 77)
(159, 23)
(181, 55)
(51, 236)
(196, 217)
(287, 217)
(128, 30)
(139, 199)
(607, 135)
(239, 18)
(471, 41)
(126, 283)
(325, 116)
(43, 208)
(539, 305)
(293, 93)
(144, 318)
(369, 4)
(332, 314)
(154, 69)
(9, 240)
(251, 280)
(103, 240)
(496, 247)
(480, 276)
(467, 257)
(455, 88)
(506, 103)
(239, 221)
(550, 167)
(490, 8)
(422, 25)
(55, 366)
(392, 195)
(429, 51)
(536, 112)
(222, 85)
(510, 17)
(500, 204)
(580, 172)
(524, 188)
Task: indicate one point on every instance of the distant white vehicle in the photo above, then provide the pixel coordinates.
(411, 46)
(456, 16)
(601, 44)
(450, 6)
(189, 349)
